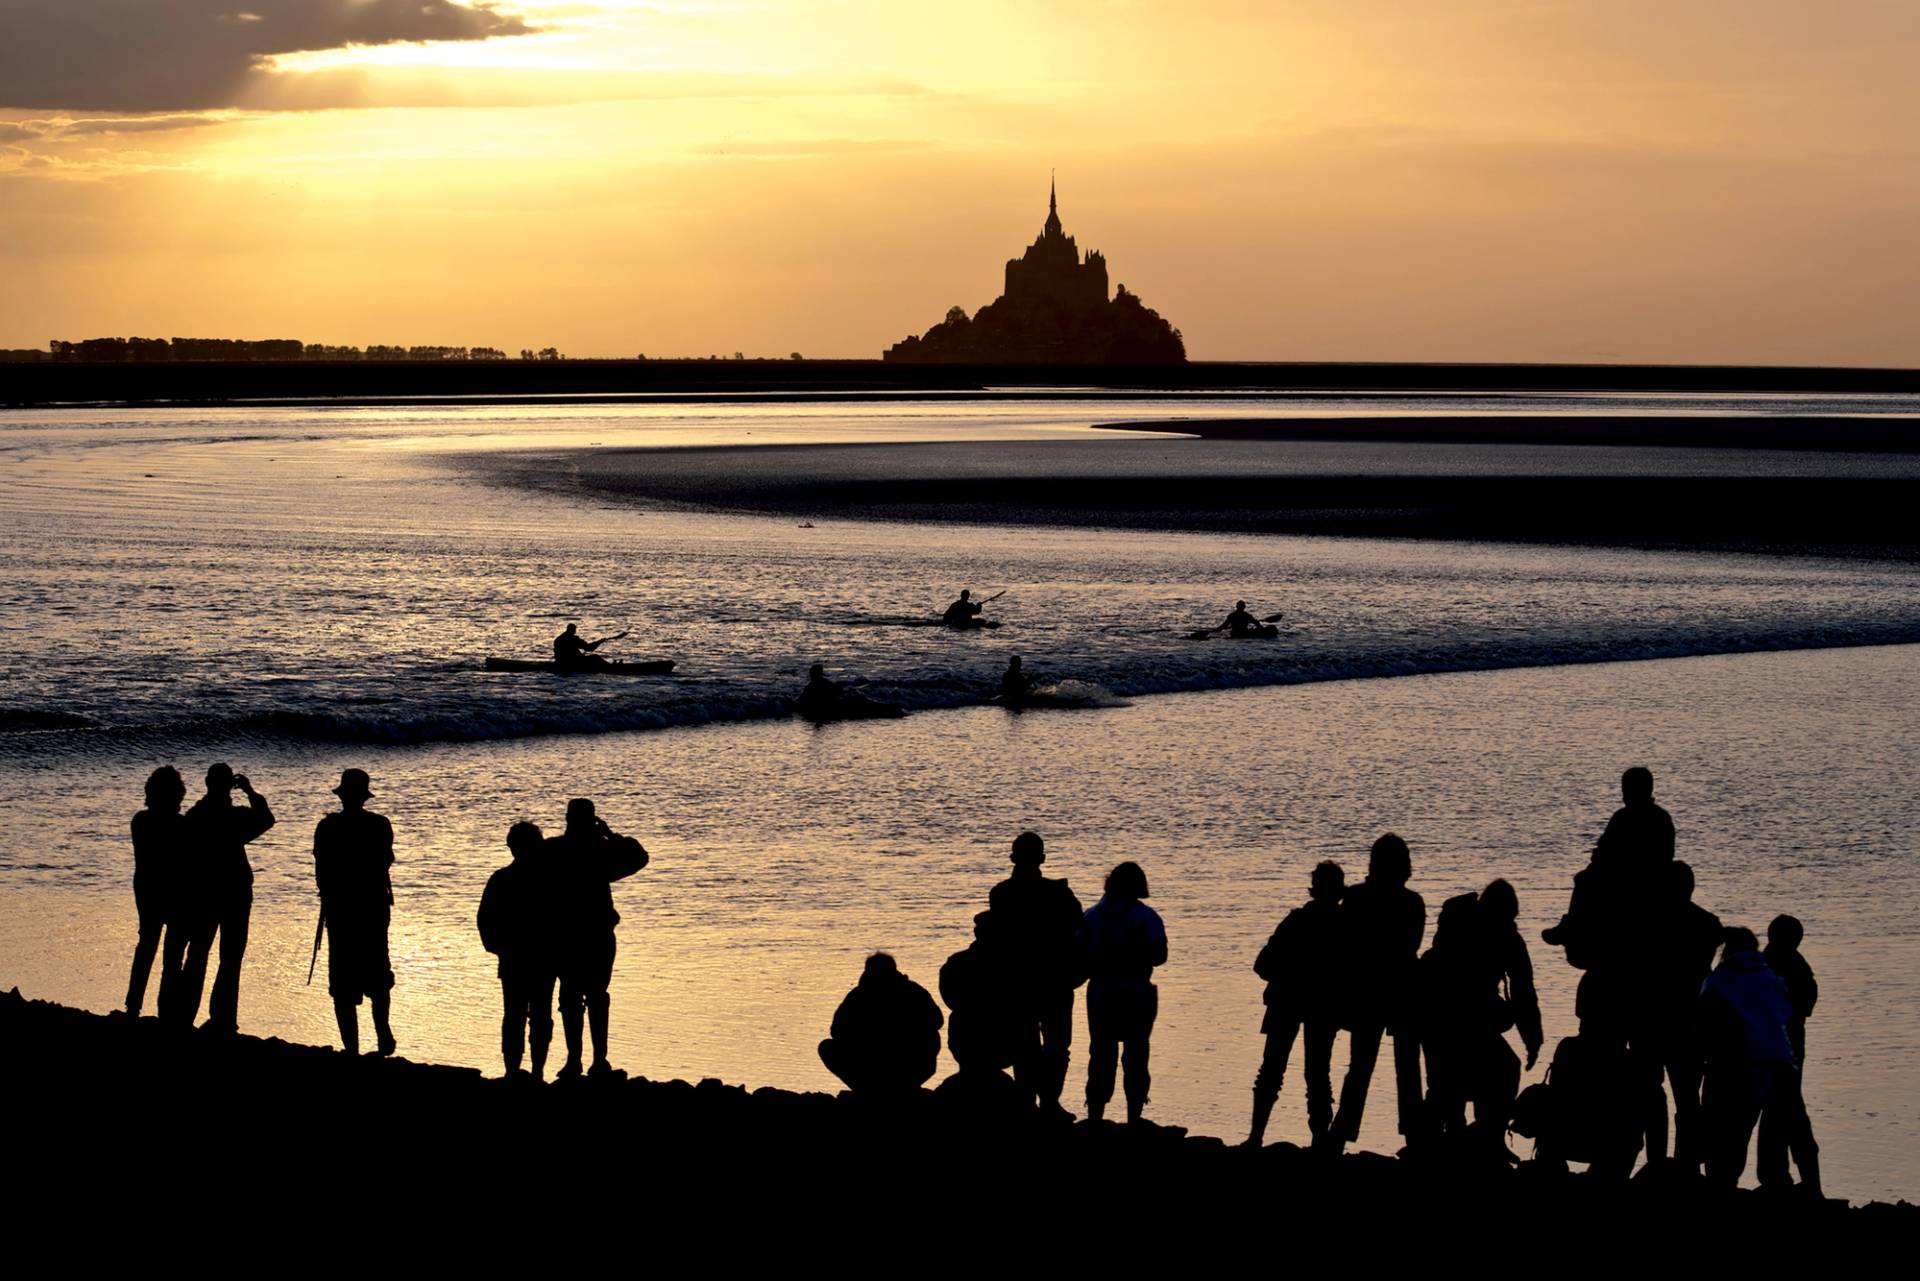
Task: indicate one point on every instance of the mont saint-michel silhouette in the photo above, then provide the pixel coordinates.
(1055, 311)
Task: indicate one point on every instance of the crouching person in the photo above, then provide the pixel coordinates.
(886, 1033)
(517, 925)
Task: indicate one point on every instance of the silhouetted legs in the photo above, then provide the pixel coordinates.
(235, 914)
(183, 969)
(1689, 1124)
(152, 926)
(1735, 1098)
(868, 1073)
(1362, 1053)
(529, 1008)
(583, 997)
(1041, 1066)
(1119, 1017)
(346, 1014)
(1273, 1070)
(1786, 1130)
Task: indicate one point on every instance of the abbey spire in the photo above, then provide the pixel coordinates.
(1053, 208)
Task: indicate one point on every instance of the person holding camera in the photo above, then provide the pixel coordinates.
(218, 899)
(586, 859)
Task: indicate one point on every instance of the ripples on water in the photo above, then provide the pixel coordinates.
(262, 586)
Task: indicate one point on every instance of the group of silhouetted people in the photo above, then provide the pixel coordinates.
(1728, 1039)
(548, 916)
(192, 884)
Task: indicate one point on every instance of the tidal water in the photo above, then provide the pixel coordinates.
(299, 590)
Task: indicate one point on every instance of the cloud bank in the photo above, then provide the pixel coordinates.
(195, 55)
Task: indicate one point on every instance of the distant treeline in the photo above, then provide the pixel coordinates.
(157, 350)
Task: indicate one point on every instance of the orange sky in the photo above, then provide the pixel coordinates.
(1368, 179)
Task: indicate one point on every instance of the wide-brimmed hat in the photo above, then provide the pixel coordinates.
(354, 782)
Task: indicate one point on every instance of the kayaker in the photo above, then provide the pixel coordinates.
(1239, 623)
(571, 649)
(819, 692)
(962, 612)
(1013, 682)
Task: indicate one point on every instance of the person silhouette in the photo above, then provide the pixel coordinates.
(1476, 981)
(1612, 929)
(158, 848)
(587, 858)
(963, 612)
(1685, 940)
(819, 693)
(885, 1039)
(352, 855)
(220, 893)
(574, 652)
(1301, 964)
(1383, 924)
(1785, 1128)
(517, 925)
(983, 1033)
(1039, 921)
(1014, 686)
(1750, 1063)
(1125, 941)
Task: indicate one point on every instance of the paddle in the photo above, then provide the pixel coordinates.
(604, 639)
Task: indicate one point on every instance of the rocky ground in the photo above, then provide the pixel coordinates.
(126, 1140)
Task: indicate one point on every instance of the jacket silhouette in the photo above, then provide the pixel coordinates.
(352, 855)
(1302, 964)
(1750, 1063)
(586, 859)
(1383, 924)
(1785, 1128)
(518, 924)
(217, 894)
(886, 1033)
(1038, 923)
(986, 1024)
(1125, 941)
(159, 848)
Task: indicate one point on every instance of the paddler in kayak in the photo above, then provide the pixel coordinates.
(965, 612)
(820, 694)
(574, 652)
(1240, 624)
(1013, 683)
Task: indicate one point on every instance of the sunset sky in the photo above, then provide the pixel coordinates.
(1702, 180)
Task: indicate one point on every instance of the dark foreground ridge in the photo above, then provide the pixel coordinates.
(113, 1117)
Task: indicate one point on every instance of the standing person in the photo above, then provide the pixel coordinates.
(218, 833)
(1750, 1064)
(1787, 1130)
(1301, 964)
(352, 855)
(1038, 923)
(1125, 940)
(157, 851)
(1384, 922)
(517, 925)
(1477, 982)
(1685, 938)
(885, 1038)
(587, 858)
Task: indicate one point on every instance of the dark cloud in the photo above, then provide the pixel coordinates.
(186, 55)
(65, 128)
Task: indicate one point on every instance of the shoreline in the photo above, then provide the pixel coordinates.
(47, 383)
(106, 1090)
(1851, 506)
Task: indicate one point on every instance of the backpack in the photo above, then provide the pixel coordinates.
(1579, 1110)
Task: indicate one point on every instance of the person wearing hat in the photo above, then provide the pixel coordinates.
(217, 899)
(352, 852)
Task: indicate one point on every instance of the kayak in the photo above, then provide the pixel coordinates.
(1068, 695)
(978, 624)
(659, 667)
(848, 707)
(1269, 632)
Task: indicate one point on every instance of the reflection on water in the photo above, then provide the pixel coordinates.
(783, 853)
